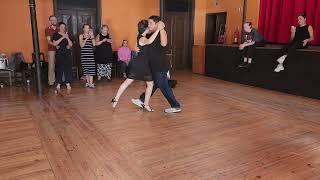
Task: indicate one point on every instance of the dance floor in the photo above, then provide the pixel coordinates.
(226, 131)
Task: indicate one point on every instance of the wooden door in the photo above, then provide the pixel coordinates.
(75, 19)
(179, 45)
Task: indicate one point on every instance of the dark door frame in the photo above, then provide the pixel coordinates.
(98, 11)
(192, 14)
(208, 14)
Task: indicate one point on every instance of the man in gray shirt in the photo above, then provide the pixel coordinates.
(251, 39)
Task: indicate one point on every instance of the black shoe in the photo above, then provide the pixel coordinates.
(242, 65)
(114, 102)
(248, 65)
(147, 108)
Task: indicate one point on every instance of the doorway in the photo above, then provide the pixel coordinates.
(75, 14)
(179, 17)
(215, 27)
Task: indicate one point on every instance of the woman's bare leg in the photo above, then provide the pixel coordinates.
(148, 93)
(122, 88)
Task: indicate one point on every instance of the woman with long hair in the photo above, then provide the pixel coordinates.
(300, 38)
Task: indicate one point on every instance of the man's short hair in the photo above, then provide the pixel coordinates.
(156, 19)
(249, 24)
(52, 17)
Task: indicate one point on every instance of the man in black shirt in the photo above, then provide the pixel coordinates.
(159, 67)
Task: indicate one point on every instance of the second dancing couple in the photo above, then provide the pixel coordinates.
(150, 66)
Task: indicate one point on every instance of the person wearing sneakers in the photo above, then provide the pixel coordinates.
(300, 37)
(251, 39)
(159, 67)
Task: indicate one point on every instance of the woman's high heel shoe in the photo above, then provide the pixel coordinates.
(147, 108)
(114, 102)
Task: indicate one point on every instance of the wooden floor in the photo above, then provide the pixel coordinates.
(226, 131)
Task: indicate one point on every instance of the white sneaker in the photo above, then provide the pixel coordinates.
(281, 59)
(58, 87)
(68, 86)
(279, 68)
(172, 110)
(137, 102)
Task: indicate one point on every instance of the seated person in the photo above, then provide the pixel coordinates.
(124, 56)
(300, 37)
(251, 39)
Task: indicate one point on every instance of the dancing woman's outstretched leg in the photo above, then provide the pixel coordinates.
(122, 88)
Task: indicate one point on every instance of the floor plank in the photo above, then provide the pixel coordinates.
(226, 131)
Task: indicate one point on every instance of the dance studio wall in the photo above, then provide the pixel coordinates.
(121, 15)
(16, 26)
(234, 9)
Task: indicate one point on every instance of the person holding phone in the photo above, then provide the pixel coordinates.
(300, 38)
(251, 39)
(86, 41)
(63, 46)
(103, 53)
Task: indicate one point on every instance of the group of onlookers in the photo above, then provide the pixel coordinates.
(300, 38)
(96, 54)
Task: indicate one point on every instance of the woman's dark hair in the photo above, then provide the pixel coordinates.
(142, 26)
(124, 41)
(156, 19)
(84, 25)
(303, 15)
(61, 23)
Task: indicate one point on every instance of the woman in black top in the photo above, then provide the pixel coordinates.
(63, 45)
(139, 68)
(104, 53)
(300, 37)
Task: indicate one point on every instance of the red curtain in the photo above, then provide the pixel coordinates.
(277, 16)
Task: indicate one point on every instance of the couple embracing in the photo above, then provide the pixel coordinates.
(150, 66)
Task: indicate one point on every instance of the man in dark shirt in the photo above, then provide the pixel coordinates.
(251, 39)
(159, 67)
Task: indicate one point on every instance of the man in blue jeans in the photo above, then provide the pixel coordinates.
(159, 67)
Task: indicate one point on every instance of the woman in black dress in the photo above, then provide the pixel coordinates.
(63, 45)
(104, 53)
(139, 66)
(300, 37)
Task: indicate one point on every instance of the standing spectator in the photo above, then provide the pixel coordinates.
(49, 32)
(63, 46)
(104, 53)
(87, 42)
(124, 56)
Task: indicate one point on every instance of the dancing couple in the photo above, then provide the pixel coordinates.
(150, 66)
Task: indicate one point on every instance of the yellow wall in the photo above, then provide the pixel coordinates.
(16, 28)
(234, 9)
(253, 7)
(122, 16)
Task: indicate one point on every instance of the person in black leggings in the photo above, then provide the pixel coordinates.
(251, 39)
(300, 37)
